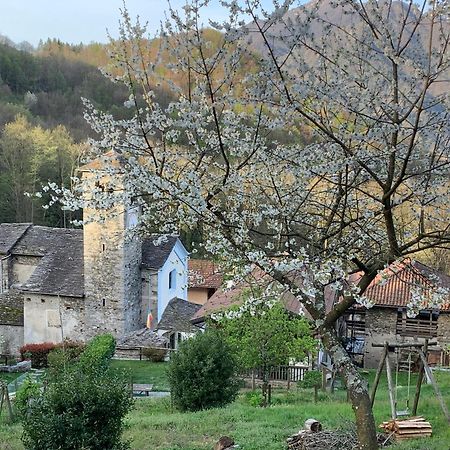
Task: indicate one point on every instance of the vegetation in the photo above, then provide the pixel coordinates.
(82, 406)
(153, 420)
(262, 335)
(202, 373)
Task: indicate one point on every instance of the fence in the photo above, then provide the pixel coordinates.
(289, 373)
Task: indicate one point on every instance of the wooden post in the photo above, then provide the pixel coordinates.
(419, 381)
(378, 374)
(288, 378)
(324, 379)
(253, 380)
(430, 376)
(390, 387)
(269, 395)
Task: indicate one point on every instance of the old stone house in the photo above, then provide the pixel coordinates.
(68, 283)
(388, 320)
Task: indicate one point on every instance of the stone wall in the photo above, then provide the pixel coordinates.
(13, 337)
(381, 325)
(50, 318)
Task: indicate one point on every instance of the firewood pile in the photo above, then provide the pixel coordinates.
(344, 438)
(412, 428)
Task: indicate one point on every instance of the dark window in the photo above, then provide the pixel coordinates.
(104, 302)
(423, 325)
(103, 247)
(172, 279)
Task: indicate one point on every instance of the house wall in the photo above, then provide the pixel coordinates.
(198, 295)
(381, 325)
(22, 267)
(4, 273)
(13, 337)
(44, 315)
(177, 261)
(149, 296)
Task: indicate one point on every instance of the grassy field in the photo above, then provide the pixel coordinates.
(145, 372)
(153, 425)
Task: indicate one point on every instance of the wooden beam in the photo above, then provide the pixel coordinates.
(378, 374)
(430, 376)
(419, 381)
(391, 387)
(403, 345)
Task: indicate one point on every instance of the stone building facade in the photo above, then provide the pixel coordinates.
(67, 283)
(388, 321)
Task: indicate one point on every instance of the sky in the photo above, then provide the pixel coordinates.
(76, 21)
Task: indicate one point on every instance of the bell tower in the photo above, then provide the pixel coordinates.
(112, 253)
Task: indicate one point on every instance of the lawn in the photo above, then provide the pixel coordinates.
(154, 425)
(145, 372)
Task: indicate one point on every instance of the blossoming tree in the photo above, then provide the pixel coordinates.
(365, 81)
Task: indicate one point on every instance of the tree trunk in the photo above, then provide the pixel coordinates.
(357, 390)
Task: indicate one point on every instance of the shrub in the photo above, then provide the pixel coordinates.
(98, 352)
(312, 379)
(37, 353)
(202, 373)
(254, 398)
(154, 354)
(77, 410)
(64, 356)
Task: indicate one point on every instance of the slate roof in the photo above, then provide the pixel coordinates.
(10, 233)
(204, 274)
(402, 277)
(154, 256)
(143, 338)
(177, 316)
(11, 308)
(60, 271)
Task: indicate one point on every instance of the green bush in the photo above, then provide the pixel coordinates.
(202, 373)
(64, 356)
(77, 410)
(98, 352)
(254, 398)
(154, 354)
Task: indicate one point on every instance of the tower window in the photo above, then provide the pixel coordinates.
(104, 302)
(103, 247)
(172, 279)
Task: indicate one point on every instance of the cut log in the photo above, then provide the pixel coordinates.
(312, 425)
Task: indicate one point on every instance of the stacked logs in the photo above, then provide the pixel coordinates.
(412, 428)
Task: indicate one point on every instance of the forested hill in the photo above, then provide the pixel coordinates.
(47, 88)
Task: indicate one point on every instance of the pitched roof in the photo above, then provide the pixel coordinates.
(60, 271)
(142, 338)
(402, 277)
(111, 159)
(10, 233)
(177, 316)
(224, 299)
(204, 274)
(11, 308)
(154, 256)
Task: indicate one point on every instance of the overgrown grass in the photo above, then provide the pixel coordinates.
(145, 372)
(154, 425)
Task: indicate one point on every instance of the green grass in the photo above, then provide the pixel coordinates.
(145, 372)
(154, 425)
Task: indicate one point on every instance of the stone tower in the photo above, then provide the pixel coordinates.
(112, 259)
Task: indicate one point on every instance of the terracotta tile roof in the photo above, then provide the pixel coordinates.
(204, 274)
(401, 279)
(224, 299)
